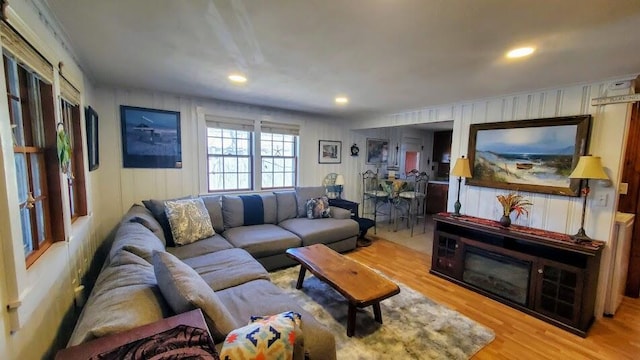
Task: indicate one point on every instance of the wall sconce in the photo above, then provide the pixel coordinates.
(589, 167)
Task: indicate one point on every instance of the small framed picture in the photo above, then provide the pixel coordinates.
(329, 152)
(377, 151)
(91, 119)
(150, 138)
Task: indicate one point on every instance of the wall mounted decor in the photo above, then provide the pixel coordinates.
(329, 152)
(150, 138)
(355, 150)
(529, 155)
(91, 119)
(377, 151)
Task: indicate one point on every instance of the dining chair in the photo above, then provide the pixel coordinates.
(413, 200)
(373, 197)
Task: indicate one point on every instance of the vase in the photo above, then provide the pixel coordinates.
(505, 221)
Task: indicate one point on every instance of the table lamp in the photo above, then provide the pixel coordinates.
(339, 185)
(589, 167)
(461, 170)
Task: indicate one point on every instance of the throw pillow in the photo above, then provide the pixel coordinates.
(185, 290)
(189, 220)
(318, 208)
(266, 337)
(157, 209)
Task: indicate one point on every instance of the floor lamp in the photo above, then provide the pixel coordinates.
(461, 170)
(589, 167)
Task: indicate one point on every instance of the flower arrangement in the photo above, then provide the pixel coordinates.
(513, 202)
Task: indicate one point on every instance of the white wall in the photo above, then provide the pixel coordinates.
(550, 212)
(43, 294)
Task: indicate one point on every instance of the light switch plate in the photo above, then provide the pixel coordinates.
(624, 188)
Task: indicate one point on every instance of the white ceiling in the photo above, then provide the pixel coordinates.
(386, 55)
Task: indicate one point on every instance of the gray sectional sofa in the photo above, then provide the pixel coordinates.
(234, 263)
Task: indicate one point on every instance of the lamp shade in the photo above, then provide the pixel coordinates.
(589, 167)
(461, 168)
(339, 180)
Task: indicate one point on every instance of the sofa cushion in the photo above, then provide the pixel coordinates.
(324, 231)
(241, 302)
(185, 290)
(124, 296)
(262, 240)
(305, 193)
(227, 268)
(142, 215)
(200, 247)
(318, 208)
(235, 213)
(157, 209)
(287, 206)
(265, 337)
(137, 239)
(189, 220)
(213, 203)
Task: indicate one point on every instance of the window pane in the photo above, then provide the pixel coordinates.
(243, 181)
(266, 136)
(214, 146)
(229, 146)
(25, 218)
(215, 164)
(278, 165)
(288, 165)
(244, 147)
(22, 177)
(289, 149)
(215, 182)
(35, 175)
(278, 180)
(228, 133)
(40, 221)
(277, 149)
(230, 181)
(230, 164)
(265, 148)
(267, 180)
(244, 165)
(18, 130)
(243, 134)
(288, 179)
(289, 138)
(214, 132)
(267, 164)
(278, 137)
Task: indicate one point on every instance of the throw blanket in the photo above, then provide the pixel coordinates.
(253, 209)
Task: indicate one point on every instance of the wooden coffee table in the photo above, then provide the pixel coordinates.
(360, 285)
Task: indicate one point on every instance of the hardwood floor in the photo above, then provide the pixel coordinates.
(518, 335)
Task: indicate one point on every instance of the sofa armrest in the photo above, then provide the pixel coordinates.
(340, 213)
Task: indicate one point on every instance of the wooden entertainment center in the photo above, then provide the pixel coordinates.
(542, 273)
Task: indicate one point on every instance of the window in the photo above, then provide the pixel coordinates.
(29, 115)
(230, 159)
(278, 156)
(75, 176)
(231, 146)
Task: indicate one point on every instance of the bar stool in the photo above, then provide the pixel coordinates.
(415, 199)
(373, 197)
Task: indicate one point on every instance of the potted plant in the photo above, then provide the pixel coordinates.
(512, 203)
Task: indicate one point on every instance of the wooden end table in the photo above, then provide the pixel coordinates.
(360, 285)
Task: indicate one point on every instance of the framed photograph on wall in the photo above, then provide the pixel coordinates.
(529, 155)
(91, 125)
(377, 151)
(329, 152)
(150, 138)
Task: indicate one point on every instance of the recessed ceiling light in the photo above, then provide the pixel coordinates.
(520, 52)
(342, 100)
(237, 78)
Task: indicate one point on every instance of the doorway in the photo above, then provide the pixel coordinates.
(630, 203)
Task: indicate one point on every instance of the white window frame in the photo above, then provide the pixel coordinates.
(207, 120)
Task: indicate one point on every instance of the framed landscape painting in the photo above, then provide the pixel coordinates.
(150, 138)
(529, 155)
(377, 151)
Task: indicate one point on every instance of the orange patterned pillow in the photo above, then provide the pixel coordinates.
(266, 337)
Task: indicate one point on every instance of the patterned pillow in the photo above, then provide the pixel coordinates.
(318, 208)
(189, 220)
(266, 337)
